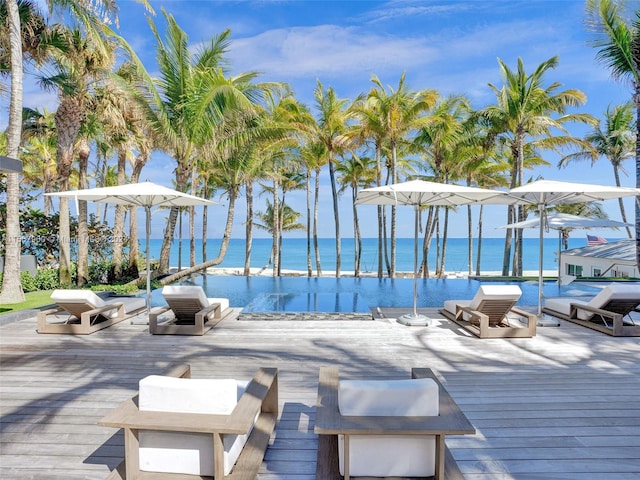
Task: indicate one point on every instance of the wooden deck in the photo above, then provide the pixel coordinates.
(562, 405)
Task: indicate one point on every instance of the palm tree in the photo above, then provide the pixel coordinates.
(285, 220)
(191, 96)
(400, 113)
(523, 112)
(332, 127)
(616, 142)
(354, 172)
(82, 10)
(617, 38)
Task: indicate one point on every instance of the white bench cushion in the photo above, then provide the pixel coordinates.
(389, 455)
(614, 291)
(187, 453)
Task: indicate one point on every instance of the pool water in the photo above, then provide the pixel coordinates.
(348, 294)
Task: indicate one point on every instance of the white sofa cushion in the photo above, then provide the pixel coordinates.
(389, 455)
(187, 453)
(485, 292)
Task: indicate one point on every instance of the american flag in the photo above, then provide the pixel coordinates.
(593, 240)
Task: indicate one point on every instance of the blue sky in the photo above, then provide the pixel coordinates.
(450, 46)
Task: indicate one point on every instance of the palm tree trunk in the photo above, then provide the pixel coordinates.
(83, 232)
(11, 288)
(134, 249)
(224, 246)
(336, 214)
(469, 240)
(182, 175)
(308, 198)
(426, 245)
(623, 214)
(192, 222)
(118, 223)
(445, 235)
(479, 240)
(316, 203)
(248, 229)
(274, 227)
(356, 233)
(180, 212)
(394, 179)
(380, 208)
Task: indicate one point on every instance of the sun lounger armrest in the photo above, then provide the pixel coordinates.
(575, 307)
(460, 309)
(207, 310)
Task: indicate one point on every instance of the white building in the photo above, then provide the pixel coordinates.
(616, 259)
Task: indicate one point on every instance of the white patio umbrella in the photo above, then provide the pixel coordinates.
(561, 221)
(543, 193)
(419, 193)
(145, 194)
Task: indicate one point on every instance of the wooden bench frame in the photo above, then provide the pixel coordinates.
(487, 321)
(260, 397)
(204, 320)
(88, 319)
(330, 423)
(614, 311)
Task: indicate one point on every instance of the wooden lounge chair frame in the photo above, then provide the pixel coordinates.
(609, 319)
(191, 320)
(260, 397)
(488, 320)
(90, 320)
(330, 423)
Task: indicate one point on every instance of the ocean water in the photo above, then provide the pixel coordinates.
(294, 253)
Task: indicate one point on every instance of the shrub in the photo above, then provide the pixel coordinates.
(47, 278)
(28, 282)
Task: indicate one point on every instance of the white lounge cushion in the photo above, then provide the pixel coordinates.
(131, 304)
(187, 453)
(79, 300)
(389, 455)
(193, 291)
(485, 292)
(613, 291)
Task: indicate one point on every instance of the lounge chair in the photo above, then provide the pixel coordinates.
(191, 312)
(492, 313)
(607, 312)
(81, 312)
(386, 428)
(178, 427)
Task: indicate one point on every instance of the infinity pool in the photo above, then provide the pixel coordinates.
(328, 294)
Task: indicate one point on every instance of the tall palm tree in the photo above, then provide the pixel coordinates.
(356, 172)
(528, 112)
(333, 117)
(616, 142)
(617, 38)
(78, 68)
(187, 101)
(401, 112)
(84, 11)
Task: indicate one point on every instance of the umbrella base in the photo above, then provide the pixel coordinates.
(414, 320)
(543, 320)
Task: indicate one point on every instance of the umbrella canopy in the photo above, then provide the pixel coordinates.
(145, 194)
(419, 193)
(561, 221)
(544, 193)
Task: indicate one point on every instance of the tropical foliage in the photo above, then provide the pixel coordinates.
(234, 137)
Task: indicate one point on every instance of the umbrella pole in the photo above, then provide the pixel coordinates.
(415, 318)
(147, 209)
(542, 319)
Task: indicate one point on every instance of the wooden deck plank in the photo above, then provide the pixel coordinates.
(561, 405)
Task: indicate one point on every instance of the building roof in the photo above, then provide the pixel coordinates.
(622, 250)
